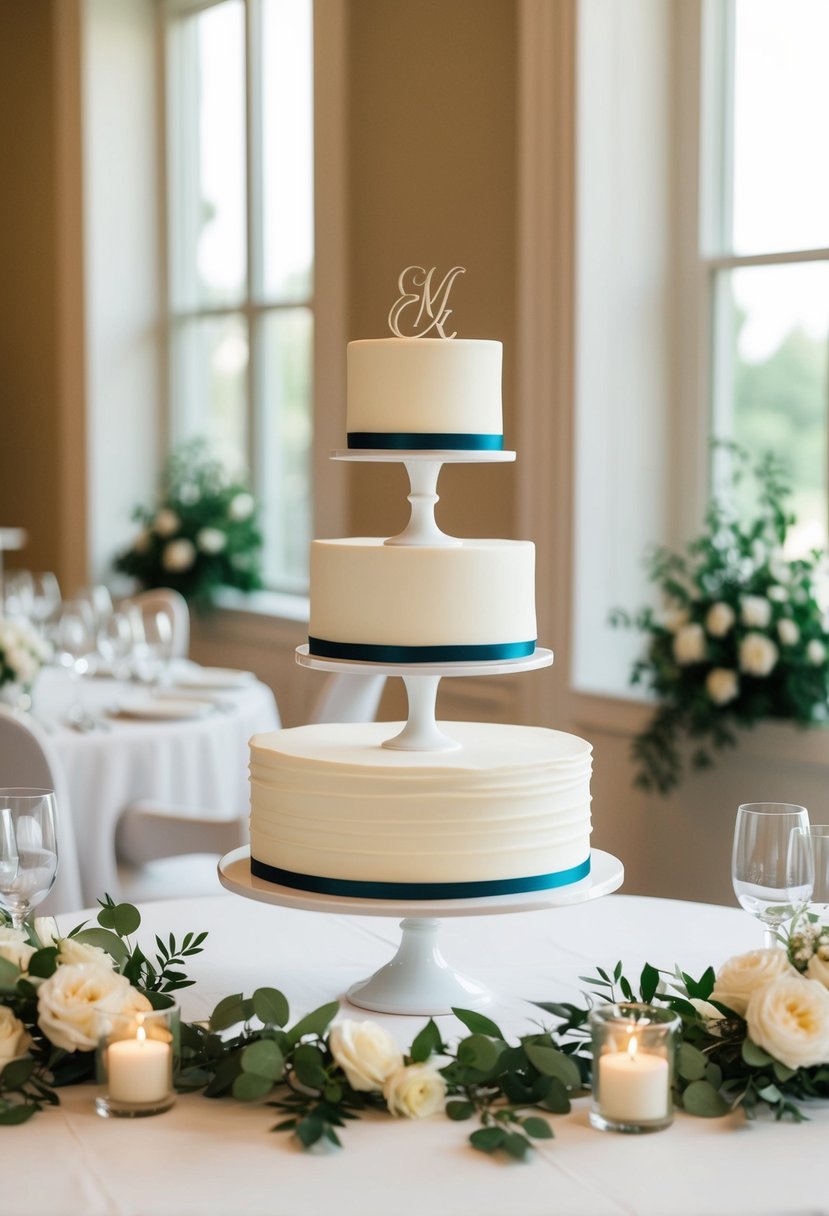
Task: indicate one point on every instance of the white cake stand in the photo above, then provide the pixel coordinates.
(418, 980)
(421, 732)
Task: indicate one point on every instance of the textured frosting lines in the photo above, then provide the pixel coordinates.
(424, 385)
(499, 809)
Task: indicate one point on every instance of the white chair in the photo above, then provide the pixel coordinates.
(166, 852)
(27, 758)
(349, 697)
(164, 599)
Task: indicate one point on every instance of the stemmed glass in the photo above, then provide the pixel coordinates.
(74, 640)
(816, 837)
(771, 870)
(28, 850)
(115, 644)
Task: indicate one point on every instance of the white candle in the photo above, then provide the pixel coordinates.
(138, 1069)
(633, 1085)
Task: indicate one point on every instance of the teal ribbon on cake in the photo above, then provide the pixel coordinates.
(354, 889)
(370, 653)
(425, 441)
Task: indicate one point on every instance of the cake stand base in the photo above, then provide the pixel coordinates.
(418, 980)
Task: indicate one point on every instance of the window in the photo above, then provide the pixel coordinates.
(765, 238)
(240, 252)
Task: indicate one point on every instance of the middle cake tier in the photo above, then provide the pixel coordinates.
(471, 602)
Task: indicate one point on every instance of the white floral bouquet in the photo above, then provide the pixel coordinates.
(201, 534)
(22, 653)
(742, 635)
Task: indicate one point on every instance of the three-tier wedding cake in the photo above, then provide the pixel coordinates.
(334, 808)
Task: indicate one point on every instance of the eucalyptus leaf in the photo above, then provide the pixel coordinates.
(782, 1072)
(691, 1063)
(700, 1098)
(488, 1139)
(44, 962)
(754, 1055)
(230, 1011)
(270, 1006)
(122, 918)
(105, 940)
(316, 1022)
(310, 1129)
(479, 1052)
(425, 1043)
(477, 1023)
(459, 1110)
(648, 983)
(13, 1115)
(538, 1128)
(309, 1066)
(251, 1088)
(9, 973)
(554, 1063)
(17, 1072)
(264, 1059)
(557, 1099)
(516, 1145)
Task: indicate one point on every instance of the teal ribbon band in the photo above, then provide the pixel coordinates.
(416, 441)
(369, 653)
(352, 888)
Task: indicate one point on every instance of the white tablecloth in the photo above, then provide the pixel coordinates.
(198, 764)
(218, 1156)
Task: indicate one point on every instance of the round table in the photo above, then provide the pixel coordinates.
(207, 1156)
(198, 764)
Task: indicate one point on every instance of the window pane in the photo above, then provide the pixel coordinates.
(284, 453)
(207, 156)
(287, 150)
(209, 385)
(773, 337)
(781, 107)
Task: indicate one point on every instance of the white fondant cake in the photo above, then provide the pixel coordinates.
(424, 393)
(333, 811)
(391, 603)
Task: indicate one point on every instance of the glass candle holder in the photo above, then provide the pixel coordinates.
(634, 1048)
(135, 1062)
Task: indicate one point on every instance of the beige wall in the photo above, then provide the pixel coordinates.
(30, 472)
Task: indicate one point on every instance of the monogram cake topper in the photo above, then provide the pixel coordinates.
(416, 287)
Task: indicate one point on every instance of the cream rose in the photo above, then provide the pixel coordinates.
(818, 969)
(758, 654)
(415, 1092)
(722, 685)
(777, 593)
(689, 644)
(672, 618)
(241, 507)
(816, 652)
(71, 952)
(178, 555)
(719, 619)
(365, 1052)
(755, 611)
(166, 522)
(790, 1020)
(14, 1038)
(741, 976)
(14, 947)
(69, 1003)
(788, 632)
(211, 540)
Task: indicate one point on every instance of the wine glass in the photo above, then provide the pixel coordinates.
(74, 641)
(154, 652)
(115, 644)
(28, 850)
(771, 870)
(816, 837)
(46, 598)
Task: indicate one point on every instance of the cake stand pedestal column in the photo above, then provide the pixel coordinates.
(418, 980)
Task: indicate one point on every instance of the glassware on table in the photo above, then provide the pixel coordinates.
(154, 650)
(75, 644)
(28, 849)
(99, 600)
(18, 595)
(116, 643)
(135, 1061)
(771, 867)
(634, 1049)
(816, 837)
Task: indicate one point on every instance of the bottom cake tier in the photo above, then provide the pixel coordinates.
(333, 811)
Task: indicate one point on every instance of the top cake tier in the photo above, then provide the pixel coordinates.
(425, 394)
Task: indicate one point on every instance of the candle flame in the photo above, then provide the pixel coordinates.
(141, 1034)
(633, 1047)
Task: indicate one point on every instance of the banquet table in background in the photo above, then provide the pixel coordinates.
(219, 1156)
(197, 764)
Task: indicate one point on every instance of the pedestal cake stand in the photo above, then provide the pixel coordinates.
(418, 980)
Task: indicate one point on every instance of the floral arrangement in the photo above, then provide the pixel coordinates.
(200, 535)
(754, 1033)
(22, 652)
(742, 635)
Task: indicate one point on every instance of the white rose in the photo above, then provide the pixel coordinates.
(719, 619)
(14, 1038)
(211, 540)
(142, 541)
(416, 1092)
(365, 1052)
(178, 555)
(240, 507)
(689, 644)
(816, 652)
(71, 952)
(46, 930)
(788, 632)
(755, 611)
(707, 1011)
(778, 594)
(14, 947)
(672, 618)
(818, 969)
(69, 1003)
(741, 976)
(758, 654)
(166, 522)
(790, 1020)
(722, 685)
